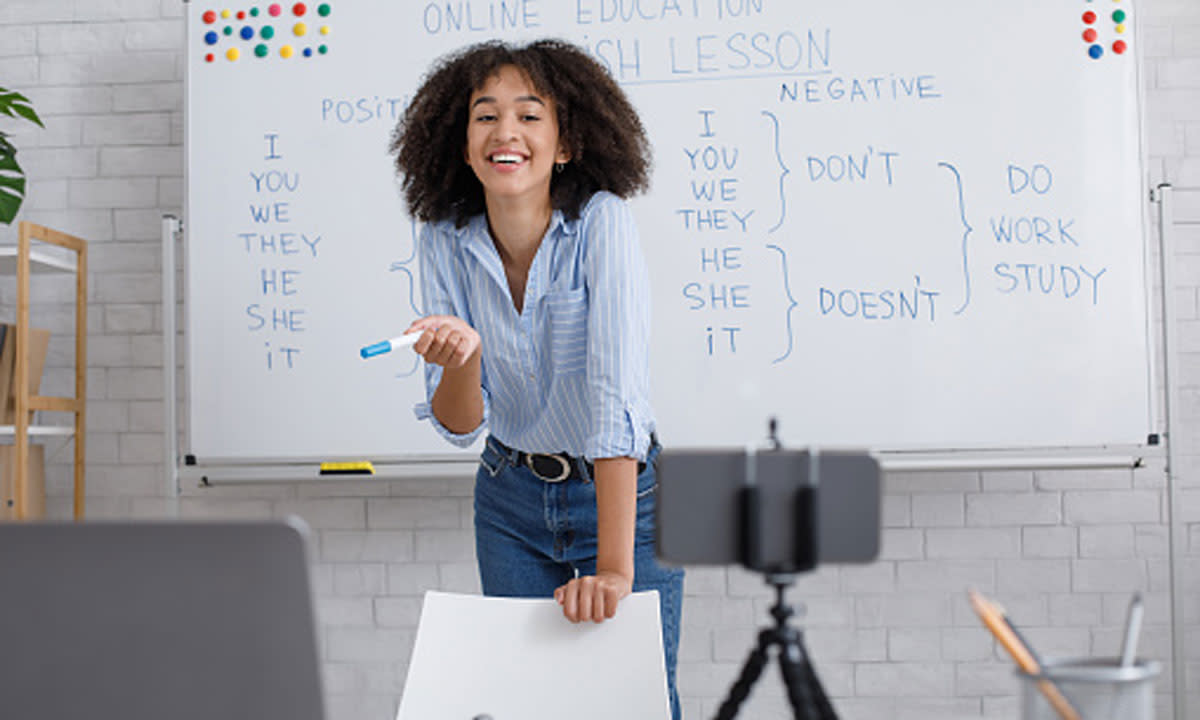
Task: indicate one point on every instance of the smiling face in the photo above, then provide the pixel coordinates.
(512, 139)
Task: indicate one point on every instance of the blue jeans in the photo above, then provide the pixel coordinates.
(532, 536)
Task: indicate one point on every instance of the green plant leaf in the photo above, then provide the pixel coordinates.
(12, 178)
(14, 104)
(12, 188)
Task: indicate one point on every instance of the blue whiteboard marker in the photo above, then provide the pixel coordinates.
(395, 343)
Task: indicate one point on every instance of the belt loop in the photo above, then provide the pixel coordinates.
(512, 456)
(585, 469)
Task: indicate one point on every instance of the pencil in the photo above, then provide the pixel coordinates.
(1133, 626)
(995, 621)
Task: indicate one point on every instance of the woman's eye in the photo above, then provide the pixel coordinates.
(484, 118)
(530, 118)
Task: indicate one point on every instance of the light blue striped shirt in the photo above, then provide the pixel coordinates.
(570, 372)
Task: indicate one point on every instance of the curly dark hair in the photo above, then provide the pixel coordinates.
(596, 124)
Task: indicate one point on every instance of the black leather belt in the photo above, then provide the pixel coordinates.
(552, 467)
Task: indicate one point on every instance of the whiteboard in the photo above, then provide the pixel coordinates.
(888, 228)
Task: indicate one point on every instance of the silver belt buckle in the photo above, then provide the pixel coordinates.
(563, 474)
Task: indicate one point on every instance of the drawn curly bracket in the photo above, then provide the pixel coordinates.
(962, 214)
(401, 267)
(782, 175)
(416, 365)
(412, 253)
(788, 313)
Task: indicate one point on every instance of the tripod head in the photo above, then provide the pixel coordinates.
(803, 552)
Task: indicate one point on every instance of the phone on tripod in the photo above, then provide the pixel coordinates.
(779, 512)
(700, 520)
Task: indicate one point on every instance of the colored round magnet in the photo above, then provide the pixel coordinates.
(228, 30)
(232, 53)
(1120, 47)
(241, 15)
(267, 32)
(323, 9)
(211, 37)
(1089, 35)
(1089, 17)
(300, 29)
(299, 9)
(322, 49)
(209, 17)
(307, 52)
(1095, 51)
(254, 12)
(1118, 16)
(209, 58)
(286, 51)
(260, 50)
(274, 10)
(325, 30)
(226, 14)
(1120, 29)
(247, 32)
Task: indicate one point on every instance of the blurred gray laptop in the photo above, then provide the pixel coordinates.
(147, 621)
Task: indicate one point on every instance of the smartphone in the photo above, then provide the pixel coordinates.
(699, 504)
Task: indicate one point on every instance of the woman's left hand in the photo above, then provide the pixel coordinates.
(593, 597)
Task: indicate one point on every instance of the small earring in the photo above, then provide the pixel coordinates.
(558, 167)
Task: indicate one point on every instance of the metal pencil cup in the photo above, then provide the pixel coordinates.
(1097, 688)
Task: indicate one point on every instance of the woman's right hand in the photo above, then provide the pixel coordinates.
(445, 340)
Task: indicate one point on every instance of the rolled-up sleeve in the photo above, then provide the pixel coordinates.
(424, 411)
(441, 296)
(618, 327)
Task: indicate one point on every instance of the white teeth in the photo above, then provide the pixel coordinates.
(506, 158)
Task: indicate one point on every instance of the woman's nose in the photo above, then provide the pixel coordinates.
(506, 127)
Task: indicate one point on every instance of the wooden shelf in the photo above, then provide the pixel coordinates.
(41, 250)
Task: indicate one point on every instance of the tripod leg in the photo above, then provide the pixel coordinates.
(751, 669)
(804, 690)
(795, 682)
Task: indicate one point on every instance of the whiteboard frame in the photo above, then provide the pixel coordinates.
(930, 458)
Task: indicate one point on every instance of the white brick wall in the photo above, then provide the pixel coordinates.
(1061, 549)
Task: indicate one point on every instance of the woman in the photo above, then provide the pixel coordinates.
(517, 159)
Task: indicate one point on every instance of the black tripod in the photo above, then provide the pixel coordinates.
(804, 690)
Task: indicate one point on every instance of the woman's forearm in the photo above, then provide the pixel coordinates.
(458, 401)
(616, 511)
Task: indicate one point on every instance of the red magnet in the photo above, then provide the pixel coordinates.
(209, 17)
(299, 9)
(1119, 47)
(1089, 35)
(1089, 17)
